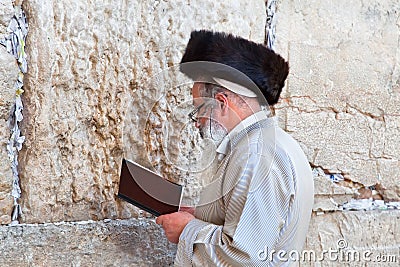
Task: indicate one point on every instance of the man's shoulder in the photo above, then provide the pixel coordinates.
(257, 140)
(268, 141)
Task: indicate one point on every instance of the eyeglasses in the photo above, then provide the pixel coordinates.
(192, 115)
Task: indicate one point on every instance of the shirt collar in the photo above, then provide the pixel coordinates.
(254, 118)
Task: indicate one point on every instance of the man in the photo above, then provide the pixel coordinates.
(257, 208)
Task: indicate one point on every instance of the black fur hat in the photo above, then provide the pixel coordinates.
(262, 66)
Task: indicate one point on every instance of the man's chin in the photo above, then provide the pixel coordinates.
(215, 141)
(216, 138)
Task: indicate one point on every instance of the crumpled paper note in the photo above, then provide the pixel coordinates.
(15, 45)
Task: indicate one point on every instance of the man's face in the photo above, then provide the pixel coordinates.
(207, 116)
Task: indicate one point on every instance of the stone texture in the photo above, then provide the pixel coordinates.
(391, 193)
(97, 72)
(6, 204)
(6, 13)
(329, 195)
(113, 243)
(342, 100)
(377, 232)
(139, 242)
(8, 76)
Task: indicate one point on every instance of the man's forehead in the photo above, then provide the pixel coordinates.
(197, 86)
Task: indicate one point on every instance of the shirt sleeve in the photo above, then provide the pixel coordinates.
(257, 199)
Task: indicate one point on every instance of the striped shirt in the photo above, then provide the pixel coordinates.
(258, 203)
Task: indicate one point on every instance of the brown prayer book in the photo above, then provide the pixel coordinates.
(147, 190)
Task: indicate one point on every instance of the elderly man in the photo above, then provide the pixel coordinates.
(257, 208)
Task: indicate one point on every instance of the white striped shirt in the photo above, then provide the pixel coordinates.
(258, 203)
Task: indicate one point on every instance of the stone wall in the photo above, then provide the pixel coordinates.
(139, 242)
(93, 91)
(343, 94)
(342, 104)
(342, 98)
(102, 85)
(134, 242)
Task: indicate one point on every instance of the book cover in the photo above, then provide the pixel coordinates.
(147, 190)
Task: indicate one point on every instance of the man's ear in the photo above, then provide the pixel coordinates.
(222, 102)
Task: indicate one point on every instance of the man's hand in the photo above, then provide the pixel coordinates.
(174, 223)
(187, 209)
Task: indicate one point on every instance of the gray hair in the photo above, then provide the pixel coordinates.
(210, 90)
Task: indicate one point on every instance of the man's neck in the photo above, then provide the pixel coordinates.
(241, 114)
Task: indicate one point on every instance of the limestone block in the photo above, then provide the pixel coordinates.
(337, 24)
(6, 13)
(329, 195)
(6, 204)
(8, 76)
(6, 177)
(113, 243)
(141, 242)
(92, 98)
(342, 100)
(362, 238)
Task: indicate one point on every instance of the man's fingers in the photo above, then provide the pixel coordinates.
(159, 220)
